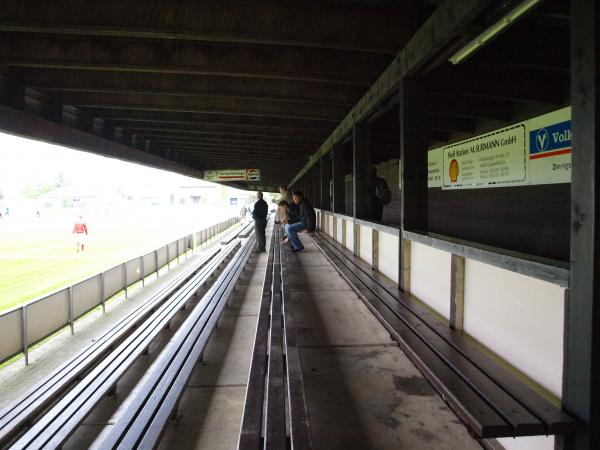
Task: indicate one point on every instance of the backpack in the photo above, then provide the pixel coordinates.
(382, 191)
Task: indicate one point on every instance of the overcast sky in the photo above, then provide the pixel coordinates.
(26, 162)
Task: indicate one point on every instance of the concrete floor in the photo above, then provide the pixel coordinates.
(362, 392)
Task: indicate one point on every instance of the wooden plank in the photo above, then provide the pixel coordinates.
(252, 419)
(446, 24)
(275, 428)
(35, 400)
(60, 421)
(300, 438)
(541, 268)
(480, 417)
(582, 319)
(377, 27)
(192, 58)
(457, 292)
(185, 357)
(556, 421)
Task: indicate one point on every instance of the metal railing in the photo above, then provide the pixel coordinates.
(26, 325)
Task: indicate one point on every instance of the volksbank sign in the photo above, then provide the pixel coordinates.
(551, 140)
(536, 151)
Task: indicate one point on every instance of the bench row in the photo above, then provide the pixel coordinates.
(489, 400)
(275, 414)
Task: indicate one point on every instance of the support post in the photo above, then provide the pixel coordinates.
(457, 292)
(71, 311)
(321, 189)
(375, 249)
(356, 238)
(361, 163)
(339, 168)
(102, 293)
(581, 386)
(413, 168)
(156, 263)
(24, 334)
(125, 278)
(404, 275)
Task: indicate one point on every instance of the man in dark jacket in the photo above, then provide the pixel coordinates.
(308, 219)
(259, 214)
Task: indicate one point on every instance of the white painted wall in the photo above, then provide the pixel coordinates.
(366, 244)
(519, 318)
(349, 235)
(430, 277)
(339, 229)
(528, 443)
(388, 261)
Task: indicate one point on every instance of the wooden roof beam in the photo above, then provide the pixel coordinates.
(187, 86)
(325, 113)
(367, 27)
(449, 22)
(224, 60)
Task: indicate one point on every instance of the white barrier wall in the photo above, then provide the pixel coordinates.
(338, 229)
(366, 244)
(388, 255)
(430, 277)
(349, 236)
(517, 317)
(520, 318)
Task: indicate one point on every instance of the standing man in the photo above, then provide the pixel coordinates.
(80, 231)
(259, 214)
(308, 221)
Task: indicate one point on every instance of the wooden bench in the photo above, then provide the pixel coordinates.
(275, 378)
(57, 424)
(242, 233)
(155, 399)
(25, 409)
(488, 399)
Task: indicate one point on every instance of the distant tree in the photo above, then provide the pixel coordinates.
(33, 191)
(1, 196)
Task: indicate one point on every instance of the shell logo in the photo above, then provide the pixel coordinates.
(453, 172)
(253, 174)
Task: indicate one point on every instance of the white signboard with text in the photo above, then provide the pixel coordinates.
(232, 175)
(536, 151)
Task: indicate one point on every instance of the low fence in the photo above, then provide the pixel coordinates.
(26, 325)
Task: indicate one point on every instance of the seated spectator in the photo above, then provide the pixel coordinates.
(307, 221)
(289, 217)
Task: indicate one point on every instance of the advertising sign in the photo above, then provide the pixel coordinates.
(536, 151)
(232, 175)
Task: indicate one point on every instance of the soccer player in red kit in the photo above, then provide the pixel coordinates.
(80, 231)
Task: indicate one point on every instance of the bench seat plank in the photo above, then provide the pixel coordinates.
(26, 408)
(522, 419)
(555, 421)
(156, 397)
(59, 422)
(251, 428)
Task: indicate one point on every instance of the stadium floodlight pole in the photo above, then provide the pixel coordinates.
(494, 30)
